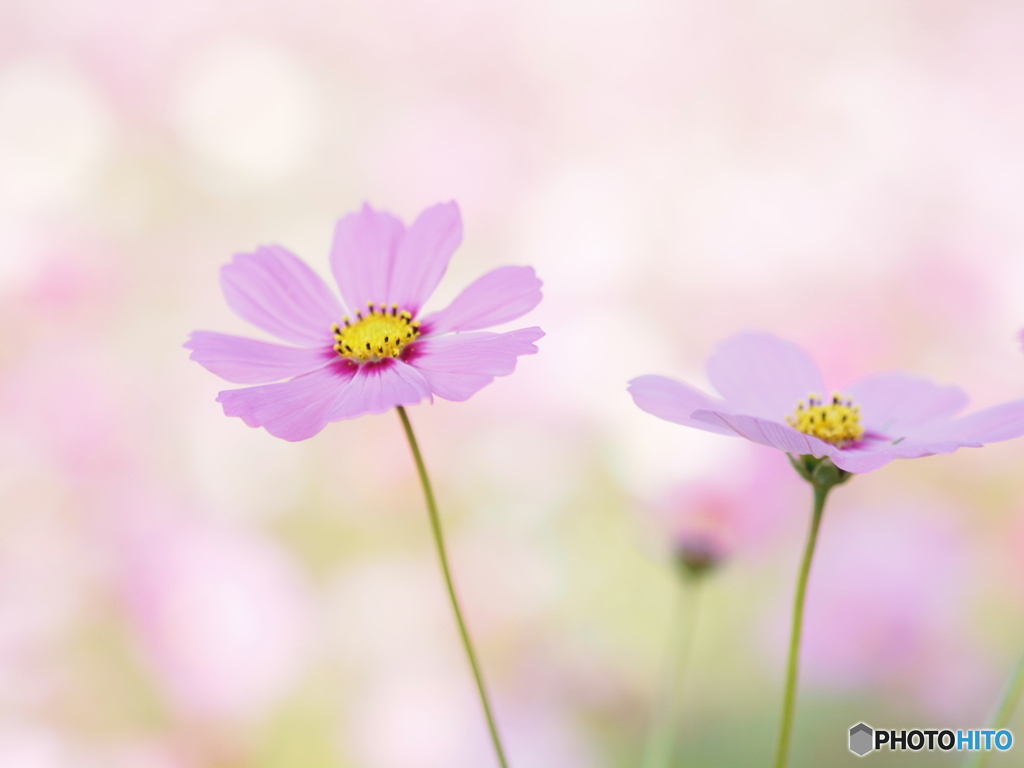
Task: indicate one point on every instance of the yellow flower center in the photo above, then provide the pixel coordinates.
(836, 422)
(379, 333)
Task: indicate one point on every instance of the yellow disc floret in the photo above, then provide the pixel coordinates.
(836, 422)
(381, 332)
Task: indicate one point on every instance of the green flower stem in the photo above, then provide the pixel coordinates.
(789, 699)
(435, 525)
(661, 743)
(1009, 704)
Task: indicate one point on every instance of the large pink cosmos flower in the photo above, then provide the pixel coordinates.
(773, 394)
(374, 352)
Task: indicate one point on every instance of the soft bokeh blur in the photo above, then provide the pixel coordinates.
(180, 591)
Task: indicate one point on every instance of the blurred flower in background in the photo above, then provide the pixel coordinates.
(735, 510)
(890, 607)
(223, 615)
(847, 175)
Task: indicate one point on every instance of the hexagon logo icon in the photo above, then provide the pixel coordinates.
(862, 739)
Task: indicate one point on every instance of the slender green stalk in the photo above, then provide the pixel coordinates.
(789, 699)
(1009, 704)
(435, 525)
(662, 742)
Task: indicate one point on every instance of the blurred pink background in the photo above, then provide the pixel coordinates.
(180, 591)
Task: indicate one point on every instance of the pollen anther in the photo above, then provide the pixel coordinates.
(836, 422)
(377, 334)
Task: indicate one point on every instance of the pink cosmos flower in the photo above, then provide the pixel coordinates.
(374, 351)
(707, 520)
(772, 393)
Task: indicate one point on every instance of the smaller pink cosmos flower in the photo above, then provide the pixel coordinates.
(702, 521)
(707, 521)
(375, 351)
(773, 393)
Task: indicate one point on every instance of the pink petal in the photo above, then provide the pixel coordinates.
(423, 255)
(865, 457)
(248, 361)
(767, 432)
(872, 456)
(674, 401)
(991, 425)
(859, 462)
(763, 375)
(895, 404)
(378, 387)
(363, 255)
(457, 367)
(278, 292)
(293, 410)
(501, 295)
